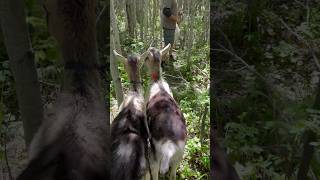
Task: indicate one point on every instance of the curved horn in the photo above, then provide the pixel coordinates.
(144, 55)
(165, 50)
(142, 58)
(119, 56)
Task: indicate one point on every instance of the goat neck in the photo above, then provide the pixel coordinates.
(157, 82)
(132, 67)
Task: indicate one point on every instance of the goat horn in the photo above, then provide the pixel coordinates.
(119, 56)
(165, 50)
(144, 55)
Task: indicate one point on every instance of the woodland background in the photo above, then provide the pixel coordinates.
(33, 74)
(135, 24)
(266, 94)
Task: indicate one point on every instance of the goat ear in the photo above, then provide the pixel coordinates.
(165, 50)
(119, 56)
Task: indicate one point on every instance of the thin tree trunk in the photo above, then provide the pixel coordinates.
(180, 4)
(17, 41)
(115, 44)
(114, 29)
(190, 31)
(115, 75)
(154, 11)
(131, 16)
(184, 31)
(150, 25)
(140, 7)
(159, 28)
(202, 121)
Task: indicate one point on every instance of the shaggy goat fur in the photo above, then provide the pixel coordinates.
(166, 122)
(128, 131)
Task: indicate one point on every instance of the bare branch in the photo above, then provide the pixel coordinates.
(101, 12)
(225, 50)
(300, 38)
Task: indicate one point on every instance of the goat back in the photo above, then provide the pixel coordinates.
(165, 118)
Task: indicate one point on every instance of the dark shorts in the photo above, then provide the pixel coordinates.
(168, 36)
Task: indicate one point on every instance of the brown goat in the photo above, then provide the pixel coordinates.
(128, 130)
(165, 119)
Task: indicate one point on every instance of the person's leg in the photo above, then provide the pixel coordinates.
(166, 38)
(168, 35)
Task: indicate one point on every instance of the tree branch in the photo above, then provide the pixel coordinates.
(309, 45)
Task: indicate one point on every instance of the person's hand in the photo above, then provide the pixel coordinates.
(174, 18)
(180, 16)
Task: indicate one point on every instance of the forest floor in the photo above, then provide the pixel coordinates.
(189, 84)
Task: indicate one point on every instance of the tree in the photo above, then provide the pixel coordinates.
(131, 16)
(115, 44)
(17, 41)
(141, 17)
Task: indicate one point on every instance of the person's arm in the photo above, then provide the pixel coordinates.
(174, 18)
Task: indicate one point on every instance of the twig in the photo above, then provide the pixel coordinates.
(176, 77)
(313, 176)
(300, 3)
(310, 46)
(227, 39)
(101, 12)
(49, 84)
(240, 59)
(232, 70)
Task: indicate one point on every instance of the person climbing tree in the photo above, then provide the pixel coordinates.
(169, 19)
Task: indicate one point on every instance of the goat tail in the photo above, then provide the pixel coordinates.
(168, 150)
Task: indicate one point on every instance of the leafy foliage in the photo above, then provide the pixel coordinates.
(266, 106)
(188, 77)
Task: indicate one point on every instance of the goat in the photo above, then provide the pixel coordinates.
(165, 119)
(72, 143)
(128, 130)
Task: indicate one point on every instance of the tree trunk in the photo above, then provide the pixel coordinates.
(140, 7)
(115, 44)
(154, 11)
(114, 28)
(206, 26)
(184, 31)
(17, 41)
(191, 15)
(131, 16)
(150, 24)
